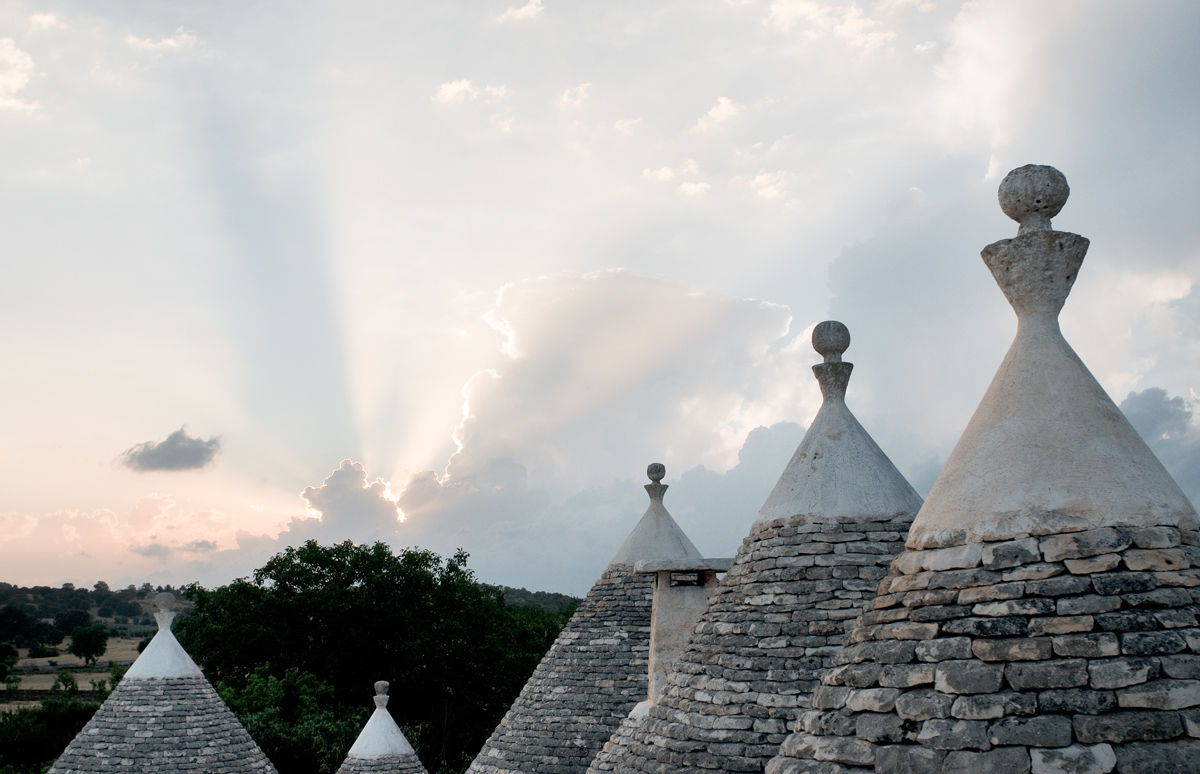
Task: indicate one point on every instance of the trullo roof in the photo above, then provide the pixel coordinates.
(163, 717)
(596, 671)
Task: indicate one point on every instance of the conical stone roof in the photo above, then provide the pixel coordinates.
(381, 747)
(163, 717)
(822, 541)
(1044, 615)
(596, 671)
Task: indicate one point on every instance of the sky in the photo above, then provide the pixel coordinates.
(451, 274)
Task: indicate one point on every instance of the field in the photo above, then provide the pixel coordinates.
(37, 675)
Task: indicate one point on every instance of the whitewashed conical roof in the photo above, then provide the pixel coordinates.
(656, 537)
(381, 747)
(1047, 450)
(838, 471)
(163, 716)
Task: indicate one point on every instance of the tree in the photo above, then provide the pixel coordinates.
(8, 657)
(69, 620)
(349, 615)
(89, 642)
(295, 719)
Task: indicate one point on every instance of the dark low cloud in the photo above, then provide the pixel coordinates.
(153, 550)
(200, 546)
(178, 451)
(1166, 425)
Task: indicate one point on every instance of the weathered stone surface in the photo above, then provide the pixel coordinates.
(955, 677)
(1156, 559)
(1010, 553)
(908, 759)
(1025, 649)
(1127, 726)
(880, 727)
(1076, 759)
(1076, 700)
(584, 687)
(906, 675)
(1040, 731)
(943, 649)
(1175, 757)
(1097, 645)
(1161, 694)
(872, 700)
(1101, 563)
(951, 734)
(1006, 760)
(923, 705)
(1060, 624)
(993, 705)
(1121, 672)
(1076, 545)
(1063, 673)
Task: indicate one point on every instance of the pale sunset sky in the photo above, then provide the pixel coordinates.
(451, 274)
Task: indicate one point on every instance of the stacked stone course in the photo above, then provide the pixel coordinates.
(776, 621)
(589, 680)
(1069, 652)
(387, 764)
(173, 724)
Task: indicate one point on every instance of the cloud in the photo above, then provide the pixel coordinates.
(464, 90)
(613, 355)
(16, 68)
(152, 550)
(626, 126)
(660, 175)
(723, 111)
(181, 40)
(349, 506)
(531, 10)
(1168, 427)
(769, 185)
(178, 451)
(574, 96)
(45, 21)
(818, 19)
(694, 189)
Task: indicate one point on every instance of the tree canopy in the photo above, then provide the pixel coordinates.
(348, 615)
(89, 642)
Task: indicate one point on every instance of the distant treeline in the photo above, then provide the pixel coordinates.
(549, 601)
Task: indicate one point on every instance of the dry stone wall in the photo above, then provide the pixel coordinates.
(586, 684)
(387, 764)
(176, 724)
(775, 622)
(1075, 652)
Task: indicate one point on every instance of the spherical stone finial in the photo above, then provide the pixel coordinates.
(1032, 195)
(830, 339)
(381, 688)
(655, 471)
(165, 600)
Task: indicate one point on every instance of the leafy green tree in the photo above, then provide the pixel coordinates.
(8, 657)
(31, 738)
(295, 719)
(349, 615)
(89, 642)
(68, 621)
